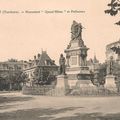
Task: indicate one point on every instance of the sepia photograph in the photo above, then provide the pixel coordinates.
(60, 60)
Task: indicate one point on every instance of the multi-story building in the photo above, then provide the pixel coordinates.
(113, 58)
(11, 65)
(110, 52)
(93, 64)
(8, 70)
(42, 65)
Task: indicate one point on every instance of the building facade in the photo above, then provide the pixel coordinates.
(112, 53)
(11, 65)
(40, 68)
(93, 64)
(10, 72)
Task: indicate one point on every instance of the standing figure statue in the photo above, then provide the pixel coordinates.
(76, 30)
(62, 65)
(110, 66)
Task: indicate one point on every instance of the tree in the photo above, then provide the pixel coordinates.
(43, 77)
(12, 80)
(19, 79)
(114, 9)
(116, 73)
(102, 73)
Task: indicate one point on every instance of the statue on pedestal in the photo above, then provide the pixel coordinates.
(110, 66)
(76, 32)
(62, 65)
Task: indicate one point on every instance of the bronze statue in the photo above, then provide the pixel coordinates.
(76, 30)
(62, 65)
(110, 66)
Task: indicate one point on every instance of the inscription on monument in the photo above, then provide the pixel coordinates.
(74, 60)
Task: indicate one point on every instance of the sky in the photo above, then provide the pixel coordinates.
(24, 35)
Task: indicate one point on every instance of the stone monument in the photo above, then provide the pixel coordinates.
(110, 78)
(62, 82)
(62, 65)
(76, 57)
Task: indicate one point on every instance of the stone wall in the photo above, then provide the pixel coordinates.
(83, 91)
(44, 90)
(36, 90)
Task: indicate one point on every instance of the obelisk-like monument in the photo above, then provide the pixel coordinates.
(76, 57)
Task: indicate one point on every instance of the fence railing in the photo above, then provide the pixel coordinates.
(84, 91)
(94, 91)
(36, 90)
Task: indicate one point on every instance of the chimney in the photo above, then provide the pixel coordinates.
(53, 61)
(30, 60)
(35, 57)
(38, 55)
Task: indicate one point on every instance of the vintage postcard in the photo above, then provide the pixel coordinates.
(60, 60)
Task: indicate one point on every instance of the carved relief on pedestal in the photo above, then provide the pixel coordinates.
(73, 60)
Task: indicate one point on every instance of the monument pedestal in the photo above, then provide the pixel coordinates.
(110, 82)
(84, 77)
(84, 84)
(81, 78)
(76, 56)
(62, 86)
(62, 81)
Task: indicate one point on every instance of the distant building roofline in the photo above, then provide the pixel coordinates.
(113, 43)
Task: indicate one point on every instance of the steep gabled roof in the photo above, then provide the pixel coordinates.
(95, 59)
(45, 60)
